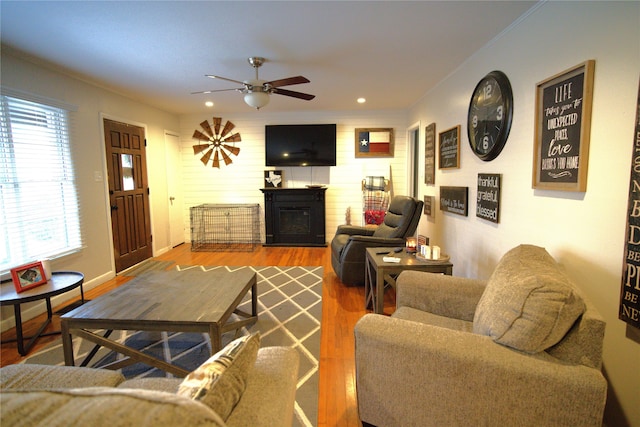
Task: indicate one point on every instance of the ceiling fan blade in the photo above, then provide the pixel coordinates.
(226, 157)
(211, 76)
(216, 161)
(216, 124)
(294, 94)
(206, 127)
(232, 149)
(200, 148)
(289, 81)
(228, 127)
(233, 138)
(200, 136)
(217, 90)
(205, 159)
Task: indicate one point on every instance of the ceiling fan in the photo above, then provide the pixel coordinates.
(256, 92)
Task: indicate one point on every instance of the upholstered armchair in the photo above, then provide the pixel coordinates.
(348, 247)
(523, 348)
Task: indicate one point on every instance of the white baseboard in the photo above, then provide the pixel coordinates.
(33, 309)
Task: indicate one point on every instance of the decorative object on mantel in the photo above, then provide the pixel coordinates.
(217, 142)
(449, 147)
(490, 115)
(28, 276)
(488, 204)
(630, 288)
(374, 142)
(430, 154)
(273, 178)
(257, 92)
(562, 129)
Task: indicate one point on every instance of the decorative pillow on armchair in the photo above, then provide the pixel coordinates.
(529, 304)
(220, 381)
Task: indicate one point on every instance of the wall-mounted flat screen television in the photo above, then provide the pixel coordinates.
(300, 145)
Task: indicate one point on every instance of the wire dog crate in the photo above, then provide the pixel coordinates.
(232, 227)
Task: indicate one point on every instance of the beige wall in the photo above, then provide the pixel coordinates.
(93, 104)
(583, 231)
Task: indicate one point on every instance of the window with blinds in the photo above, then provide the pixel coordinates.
(39, 210)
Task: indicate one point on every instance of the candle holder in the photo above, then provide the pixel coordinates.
(411, 245)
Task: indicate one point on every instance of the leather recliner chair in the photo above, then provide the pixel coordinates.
(348, 247)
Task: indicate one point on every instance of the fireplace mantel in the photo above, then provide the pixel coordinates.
(294, 216)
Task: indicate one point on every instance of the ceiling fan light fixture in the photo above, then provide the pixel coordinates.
(256, 99)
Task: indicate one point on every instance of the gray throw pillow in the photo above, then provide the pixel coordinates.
(529, 304)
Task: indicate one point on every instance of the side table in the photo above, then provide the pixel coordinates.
(60, 283)
(378, 273)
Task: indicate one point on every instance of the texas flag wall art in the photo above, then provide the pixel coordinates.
(374, 142)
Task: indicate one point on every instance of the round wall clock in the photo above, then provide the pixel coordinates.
(490, 115)
(216, 141)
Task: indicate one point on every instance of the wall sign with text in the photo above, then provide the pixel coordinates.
(454, 200)
(488, 204)
(630, 288)
(449, 148)
(430, 154)
(563, 127)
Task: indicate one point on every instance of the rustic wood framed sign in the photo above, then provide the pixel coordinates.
(629, 310)
(430, 154)
(562, 129)
(454, 200)
(449, 148)
(374, 142)
(488, 203)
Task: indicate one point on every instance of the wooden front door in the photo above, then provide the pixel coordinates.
(128, 193)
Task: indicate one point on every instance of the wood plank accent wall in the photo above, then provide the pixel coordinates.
(240, 182)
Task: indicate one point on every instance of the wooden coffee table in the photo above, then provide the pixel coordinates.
(378, 273)
(191, 300)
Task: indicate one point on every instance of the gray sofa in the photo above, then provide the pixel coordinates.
(38, 395)
(522, 348)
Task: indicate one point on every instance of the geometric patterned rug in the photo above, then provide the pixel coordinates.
(289, 314)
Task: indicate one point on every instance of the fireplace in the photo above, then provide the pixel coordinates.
(294, 216)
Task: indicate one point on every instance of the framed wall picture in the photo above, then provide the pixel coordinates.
(428, 205)
(374, 142)
(430, 154)
(28, 276)
(449, 148)
(488, 204)
(562, 129)
(273, 179)
(454, 200)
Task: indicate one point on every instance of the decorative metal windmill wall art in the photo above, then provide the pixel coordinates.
(217, 143)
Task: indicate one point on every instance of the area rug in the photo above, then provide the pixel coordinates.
(290, 312)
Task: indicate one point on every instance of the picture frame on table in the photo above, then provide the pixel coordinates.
(374, 142)
(563, 129)
(28, 276)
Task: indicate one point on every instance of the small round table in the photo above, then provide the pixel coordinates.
(60, 282)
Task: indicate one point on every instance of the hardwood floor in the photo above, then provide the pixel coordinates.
(342, 306)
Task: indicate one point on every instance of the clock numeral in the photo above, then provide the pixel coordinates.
(488, 91)
(475, 121)
(485, 142)
(500, 112)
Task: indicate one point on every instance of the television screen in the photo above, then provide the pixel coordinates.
(300, 145)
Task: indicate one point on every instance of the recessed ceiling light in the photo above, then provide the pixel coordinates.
(209, 104)
(361, 100)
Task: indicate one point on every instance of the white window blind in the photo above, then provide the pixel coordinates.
(39, 210)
